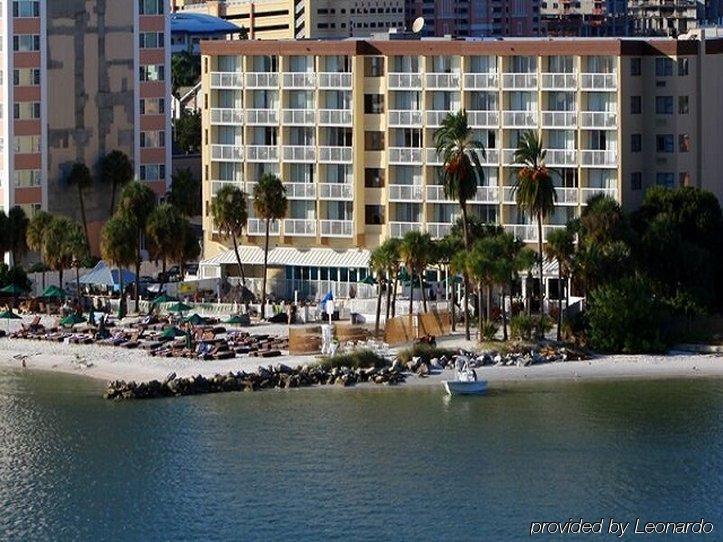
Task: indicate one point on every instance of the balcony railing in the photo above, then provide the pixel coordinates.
(486, 194)
(528, 232)
(232, 153)
(481, 81)
(335, 117)
(305, 191)
(335, 155)
(299, 80)
(432, 158)
(567, 196)
(588, 193)
(598, 81)
(227, 116)
(404, 81)
(262, 117)
(218, 184)
(435, 118)
(299, 153)
(437, 230)
(592, 158)
(443, 80)
(559, 119)
(230, 80)
(519, 81)
(405, 192)
(508, 157)
(299, 117)
(405, 155)
(558, 81)
(332, 80)
(262, 80)
(257, 226)
(598, 119)
(336, 228)
(262, 153)
(435, 193)
(483, 119)
(398, 229)
(519, 119)
(300, 227)
(405, 118)
(561, 157)
(336, 191)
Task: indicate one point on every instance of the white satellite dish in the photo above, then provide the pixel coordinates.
(418, 25)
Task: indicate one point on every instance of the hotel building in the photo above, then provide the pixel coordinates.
(78, 80)
(348, 125)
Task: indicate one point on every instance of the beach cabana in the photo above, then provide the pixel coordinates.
(179, 307)
(195, 320)
(103, 276)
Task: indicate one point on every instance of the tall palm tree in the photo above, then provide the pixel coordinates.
(514, 257)
(18, 225)
(116, 169)
(80, 177)
(117, 245)
(270, 203)
(461, 172)
(378, 265)
(61, 244)
(392, 246)
(164, 226)
(191, 248)
(230, 215)
(414, 251)
(4, 234)
(561, 247)
(35, 236)
(136, 204)
(534, 191)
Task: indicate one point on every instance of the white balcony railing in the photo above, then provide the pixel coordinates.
(257, 226)
(300, 227)
(229, 153)
(519, 119)
(598, 119)
(486, 194)
(449, 81)
(262, 117)
(437, 230)
(559, 119)
(398, 229)
(598, 81)
(592, 158)
(481, 81)
(435, 193)
(483, 119)
(588, 193)
(508, 157)
(335, 155)
(435, 118)
(336, 191)
(218, 184)
(299, 153)
(298, 117)
(405, 118)
(432, 158)
(304, 191)
(262, 80)
(336, 228)
(299, 80)
(558, 81)
(561, 157)
(333, 80)
(230, 80)
(405, 155)
(335, 117)
(528, 232)
(405, 192)
(404, 81)
(227, 116)
(262, 153)
(519, 81)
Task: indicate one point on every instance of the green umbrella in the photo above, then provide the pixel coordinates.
(164, 298)
(12, 289)
(9, 315)
(53, 292)
(235, 319)
(73, 319)
(171, 333)
(179, 307)
(196, 320)
(403, 275)
(368, 280)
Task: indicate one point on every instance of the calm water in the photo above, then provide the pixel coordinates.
(335, 465)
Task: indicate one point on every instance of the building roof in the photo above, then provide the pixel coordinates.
(201, 24)
(280, 256)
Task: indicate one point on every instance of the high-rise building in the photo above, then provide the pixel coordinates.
(664, 17)
(299, 19)
(585, 18)
(349, 125)
(79, 80)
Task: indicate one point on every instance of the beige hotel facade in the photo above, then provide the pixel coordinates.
(348, 125)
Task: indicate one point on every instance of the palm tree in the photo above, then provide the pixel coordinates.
(392, 245)
(378, 265)
(80, 176)
(4, 234)
(77, 250)
(186, 192)
(534, 192)
(230, 215)
(35, 236)
(270, 203)
(136, 204)
(415, 250)
(60, 246)
(561, 247)
(18, 226)
(514, 257)
(117, 245)
(191, 248)
(164, 226)
(462, 170)
(117, 169)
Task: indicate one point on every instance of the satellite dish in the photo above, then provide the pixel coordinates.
(418, 25)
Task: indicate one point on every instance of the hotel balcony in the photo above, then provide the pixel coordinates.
(299, 153)
(398, 229)
(588, 193)
(335, 117)
(486, 194)
(336, 191)
(335, 155)
(300, 227)
(262, 117)
(558, 81)
(404, 81)
(405, 192)
(437, 230)
(218, 184)
(481, 81)
(262, 153)
(508, 157)
(233, 117)
(262, 80)
(598, 119)
(483, 119)
(403, 118)
(599, 81)
(405, 155)
(443, 81)
(567, 196)
(228, 80)
(433, 158)
(559, 119)
(336, 228)
(490, 158)
(519, 119)
(561, 158)
(334, 81)
(528, 232)
(227, 153)
(595, 158)
(508, 195)
(257, 226)
(435, 118)
(300, 80)
(304, 191)
(298, 117)
(519, 81)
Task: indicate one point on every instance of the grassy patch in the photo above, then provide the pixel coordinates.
(424, 351)
(361, 359)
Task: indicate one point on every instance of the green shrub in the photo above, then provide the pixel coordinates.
(489, 330)
(424, 351)
(361, 359)
(525, 327)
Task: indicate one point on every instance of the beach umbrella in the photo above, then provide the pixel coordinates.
(171, 333)
(236, 319)
(195, 320)
(72, 319)
(13, 289)
(368, 280)
(164, 298)
(53, 292)
(179, 307)
(9, 315)
(403, 275)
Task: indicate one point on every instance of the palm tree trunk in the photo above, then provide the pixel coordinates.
(82, 215)
(479, 309)
(389, 294)
(504, 316)
(394, 294)
(465, 275)
(112, 198)
(424, 292)
(266, 264)
(60, 276)
(137, 293)
(559, 301)
(411, 295)
(451, 298)
(489, 302)
(238, 260)
(542, 280)
(43, 278)
(163, 274)
(379, 307)
(77, 282)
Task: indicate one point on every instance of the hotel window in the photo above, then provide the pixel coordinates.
(663, 67)
(26, 77)
(663, 105)
(26, 43)
(373, 104)
(153, 106)
(150, 7)
(374, 214)
(26, 144)
(26, 110)
(683, 67)
(153, 139)
(373, 141)
(636, 105)
(151, 40)
(684, 143)
(636, 66)
(683, 105)
(153, 172)
(373, 177)
(153, 72)
(373, 66)
(26, 8)
(636, 142)
(665, 178)
(636, 180)
(25, 178)
(664, 143)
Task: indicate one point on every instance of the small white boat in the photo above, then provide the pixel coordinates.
(466, 383)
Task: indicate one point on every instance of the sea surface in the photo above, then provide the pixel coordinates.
(373, 464)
